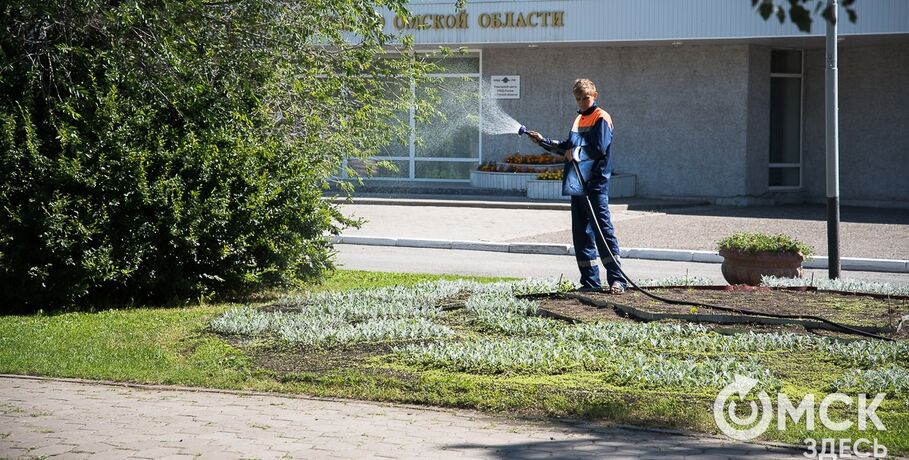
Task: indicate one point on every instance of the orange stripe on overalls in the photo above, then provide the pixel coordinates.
(587, 121)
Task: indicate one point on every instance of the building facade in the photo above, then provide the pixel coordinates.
(709, 100)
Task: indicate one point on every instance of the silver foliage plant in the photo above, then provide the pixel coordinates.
(510, 354)
(824, 284)
(551, 355)
(501, 311)
(371, 331)
(893, 380)
(676, 281)
(364, 315)
(242, 321)
(664, 371)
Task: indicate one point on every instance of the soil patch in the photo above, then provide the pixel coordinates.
(850, 309)
(879, 314)
(577, 311)
(283, 359)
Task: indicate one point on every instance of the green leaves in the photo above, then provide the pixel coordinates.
(153, 151)
(799, 11)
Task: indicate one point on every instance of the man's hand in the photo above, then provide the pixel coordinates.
(534, 136)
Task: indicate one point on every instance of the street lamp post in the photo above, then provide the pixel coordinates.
(832, 134)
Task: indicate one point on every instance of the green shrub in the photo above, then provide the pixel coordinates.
(761, 242)
(151, 151)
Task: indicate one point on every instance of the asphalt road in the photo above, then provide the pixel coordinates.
(447, 261)
(864, 232)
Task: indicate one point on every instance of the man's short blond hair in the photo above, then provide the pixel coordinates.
(583, 86)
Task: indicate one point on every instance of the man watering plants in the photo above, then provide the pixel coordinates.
(588, 145)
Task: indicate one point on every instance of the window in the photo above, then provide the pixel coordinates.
(785, 119)
(447, 147)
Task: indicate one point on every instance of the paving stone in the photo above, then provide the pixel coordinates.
(210, 456)
(90, 420)
(13, 452)
(115, 454)
(197, 450)
(71, 456)
(156, 452)
(51, 449)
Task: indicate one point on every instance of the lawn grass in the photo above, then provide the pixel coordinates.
(176, 346)
(152, 345)
(349, 279)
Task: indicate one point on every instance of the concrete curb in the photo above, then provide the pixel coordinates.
(862, 264)
(675, 255)
(539, 248)
(497, 202)
(479, 246)
(477, 203)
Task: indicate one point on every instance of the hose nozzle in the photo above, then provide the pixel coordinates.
(522, 130)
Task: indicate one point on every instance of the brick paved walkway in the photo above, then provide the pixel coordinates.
(64, 419)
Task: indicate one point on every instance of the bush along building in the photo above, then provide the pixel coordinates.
(709, 100)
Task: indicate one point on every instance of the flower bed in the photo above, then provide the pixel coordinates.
(523, 177)
(537, 160)
(490, 346)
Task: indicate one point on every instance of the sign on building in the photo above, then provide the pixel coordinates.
(506, 86)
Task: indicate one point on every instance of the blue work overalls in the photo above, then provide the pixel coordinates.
(592, 132)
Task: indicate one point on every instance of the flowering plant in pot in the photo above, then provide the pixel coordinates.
(749, 256)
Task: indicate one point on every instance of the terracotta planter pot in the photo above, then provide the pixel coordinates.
(747, 268)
